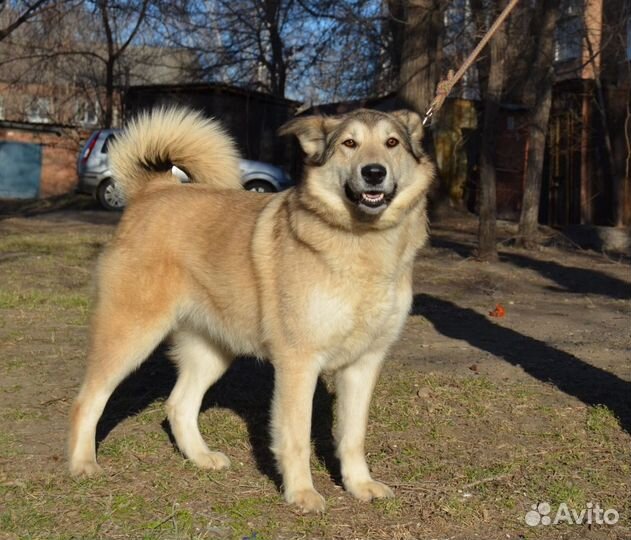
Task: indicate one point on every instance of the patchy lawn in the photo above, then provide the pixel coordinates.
(474, 420)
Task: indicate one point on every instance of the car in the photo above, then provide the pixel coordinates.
(95, 176)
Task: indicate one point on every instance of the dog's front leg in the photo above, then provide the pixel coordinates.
(354, 387)
(291, 432)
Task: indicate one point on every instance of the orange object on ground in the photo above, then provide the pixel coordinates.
(499, 311)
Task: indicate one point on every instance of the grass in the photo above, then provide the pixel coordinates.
(145, 476)
(33, 299)
(601, 422)
(68, 247)
(465, 454)
(7, 444)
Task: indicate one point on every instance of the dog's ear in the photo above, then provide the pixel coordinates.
(414, 125)
(311, 132)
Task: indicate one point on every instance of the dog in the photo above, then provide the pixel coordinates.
(315, 278)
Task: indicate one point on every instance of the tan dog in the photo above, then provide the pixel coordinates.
(315, 278)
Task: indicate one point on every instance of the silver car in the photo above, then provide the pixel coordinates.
(95, 177)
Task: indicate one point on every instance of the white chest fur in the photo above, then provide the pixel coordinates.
(349, 320)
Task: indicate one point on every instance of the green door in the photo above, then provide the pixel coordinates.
(20, 170)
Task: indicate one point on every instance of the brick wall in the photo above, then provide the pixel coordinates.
(59, 156)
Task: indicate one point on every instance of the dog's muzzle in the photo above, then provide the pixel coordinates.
(371, 201)
(372, 194)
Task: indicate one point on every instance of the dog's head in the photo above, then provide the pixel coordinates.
(367, 165)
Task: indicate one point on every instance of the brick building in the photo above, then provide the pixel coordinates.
(47, 113)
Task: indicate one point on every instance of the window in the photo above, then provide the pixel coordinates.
(39, 110)
(569, 39)
(86, 113)
(569, 31)
(106, 144)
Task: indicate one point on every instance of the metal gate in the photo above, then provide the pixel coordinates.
(564, 153)
(20, 170)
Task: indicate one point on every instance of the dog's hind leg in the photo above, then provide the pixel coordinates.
(200, 364)
(122, 337)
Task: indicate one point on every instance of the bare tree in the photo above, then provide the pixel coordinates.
(248, 42)
(91, 48)
(121, 22)
(541, 80)
(487, 236)
(18, 14)
(31, 68)
(359, 58)
(305, 49)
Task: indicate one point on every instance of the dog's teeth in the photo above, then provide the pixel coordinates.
(372, 197)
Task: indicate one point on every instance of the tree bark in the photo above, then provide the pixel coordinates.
(487, 236)
(421, 54)
(542, 79)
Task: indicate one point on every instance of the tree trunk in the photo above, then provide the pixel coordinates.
(114, 51)
(487, 237)
(537, 129)
(278, 67)
(421, 54)
(108, 107)
(395, 28)
(542, 79)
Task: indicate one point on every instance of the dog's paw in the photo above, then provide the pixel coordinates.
(307, 500)
(213, 461)
(85, 469)
(369, 490)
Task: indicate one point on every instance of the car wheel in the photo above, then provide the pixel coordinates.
(260, 186)
(109, 196)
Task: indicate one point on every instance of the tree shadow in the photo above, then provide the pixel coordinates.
(463, 250)
(57, 203)
(572, 279)
(590, 384)
(246, 388)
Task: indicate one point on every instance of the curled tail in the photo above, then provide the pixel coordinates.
(154, 141)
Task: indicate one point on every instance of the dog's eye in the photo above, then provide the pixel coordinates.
(392, 142)
(350, 143)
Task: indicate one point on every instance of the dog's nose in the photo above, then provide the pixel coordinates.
(374, 174)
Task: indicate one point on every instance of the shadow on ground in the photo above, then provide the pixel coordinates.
(37, 207)
(568, 373)
(246, 388)
(569, 279)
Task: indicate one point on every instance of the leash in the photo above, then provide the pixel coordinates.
(446, 85)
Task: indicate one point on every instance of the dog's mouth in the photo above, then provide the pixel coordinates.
(370, 201)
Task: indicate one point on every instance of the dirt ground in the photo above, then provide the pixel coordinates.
(475, 418)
